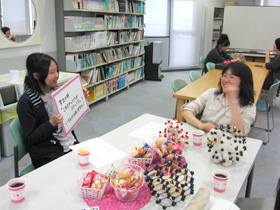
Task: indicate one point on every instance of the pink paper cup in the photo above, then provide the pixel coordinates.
(197, 137)
(17, 189)
(83, 154)
(220, 180)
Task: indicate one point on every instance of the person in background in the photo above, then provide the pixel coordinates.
(41, 124)
(7, 32)
(277, 198)
(272, 64)
(219, 53)
(232, 103)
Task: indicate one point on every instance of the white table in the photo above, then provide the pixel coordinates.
(53, 185)
(5, 78)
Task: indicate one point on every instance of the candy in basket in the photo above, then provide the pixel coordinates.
(166, 149)
(127, 180)
(93, 185)
(141, 156)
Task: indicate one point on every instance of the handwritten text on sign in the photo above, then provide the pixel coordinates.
(71, 103)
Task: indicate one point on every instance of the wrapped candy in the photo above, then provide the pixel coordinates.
(126, 179)
(143, 152)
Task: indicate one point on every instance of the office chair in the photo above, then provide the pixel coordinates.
(20, 148)
(194, 75)
(210, 66)
(177, 85)
(202, 61)
(267, 105)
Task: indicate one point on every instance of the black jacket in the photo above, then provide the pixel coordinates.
(36, 127)
(215, 56)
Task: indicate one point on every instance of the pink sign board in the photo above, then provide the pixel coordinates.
(70, 101)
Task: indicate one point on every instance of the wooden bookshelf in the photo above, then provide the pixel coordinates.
(104, 44)
(218, 18)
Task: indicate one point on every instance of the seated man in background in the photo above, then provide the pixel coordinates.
(272, 64)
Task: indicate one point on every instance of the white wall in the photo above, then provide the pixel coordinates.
(14, 58)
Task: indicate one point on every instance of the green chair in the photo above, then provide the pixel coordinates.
(194, 75)
(210, 66)
(177, 85)
(267, 106)
(20, 148)
(202, 61)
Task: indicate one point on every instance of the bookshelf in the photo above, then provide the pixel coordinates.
(103, 41)
(218, 18)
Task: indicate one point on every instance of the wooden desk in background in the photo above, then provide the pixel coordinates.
(211, 80)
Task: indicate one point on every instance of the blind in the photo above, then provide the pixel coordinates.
(156, 18)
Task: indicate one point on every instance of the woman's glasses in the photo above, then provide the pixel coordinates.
(229, 77)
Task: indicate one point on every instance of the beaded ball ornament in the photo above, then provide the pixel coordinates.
(174, 132)
(227, 144)
(170, 182)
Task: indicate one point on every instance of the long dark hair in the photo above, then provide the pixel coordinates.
(241, 70)
(37, 63)
(223, 40)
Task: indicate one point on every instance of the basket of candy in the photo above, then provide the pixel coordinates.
(127, 180)
(141, 156)
(167, 150)
(93, 185)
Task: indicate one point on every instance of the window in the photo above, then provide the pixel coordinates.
(18, 16)
(157, 18)
(185, 32)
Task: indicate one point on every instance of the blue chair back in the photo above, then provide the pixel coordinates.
(210, 66)
(194, 75)
(178, 84)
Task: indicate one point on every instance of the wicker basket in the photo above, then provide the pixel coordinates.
(141, 161)
(90, 193)
(121, 193)
(158, 153)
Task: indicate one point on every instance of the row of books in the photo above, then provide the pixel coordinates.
(89, 41)
(110, 5)
(105, 22)
(97, 91)
(92, 40)
(114, 54)
(135, 75)
(121, 37)
(114, 84)
(92, 76)
(86, 22)
(96, 5)
(87, 60)
(123, 21)
(216, 35)
(126, 6)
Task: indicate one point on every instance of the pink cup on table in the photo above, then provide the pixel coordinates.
(220, 180)
(83, 154)
(197, 137)
(17, 189)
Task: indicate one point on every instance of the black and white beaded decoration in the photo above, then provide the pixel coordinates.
(170, 182)
(227, 144)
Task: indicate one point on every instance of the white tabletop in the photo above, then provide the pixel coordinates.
(5, 78)
(53, 186)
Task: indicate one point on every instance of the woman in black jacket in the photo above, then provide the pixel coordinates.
(41, 125)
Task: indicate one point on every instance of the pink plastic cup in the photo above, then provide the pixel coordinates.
(220, 180)
(83, 154)
(17, 189)
(197, 137)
